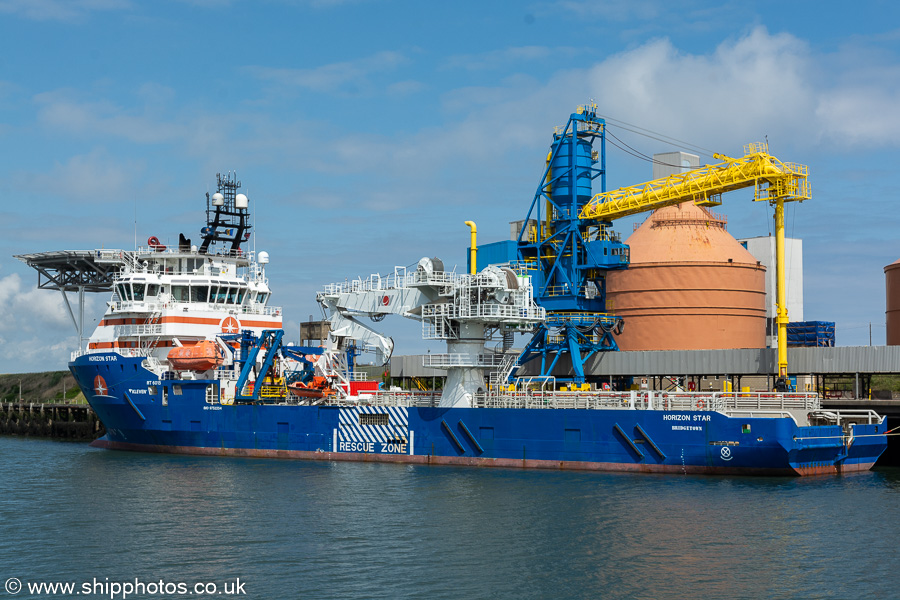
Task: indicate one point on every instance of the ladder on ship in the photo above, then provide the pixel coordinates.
(154, 319)
(501, 376)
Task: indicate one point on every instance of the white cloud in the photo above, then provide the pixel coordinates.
(747, 88)
(613, 10)
(31, 355)
(208, 3)
(347, 76)
(756, 85)
(60, 10)
(36, 332)
(405, 88)
(60, 110)
(860, 115)
(503, 58)
(93, 177)
(28, 310)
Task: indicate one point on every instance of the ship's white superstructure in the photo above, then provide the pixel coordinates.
(184, 308)
(166, 298)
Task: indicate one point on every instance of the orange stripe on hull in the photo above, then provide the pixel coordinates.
(128, 321)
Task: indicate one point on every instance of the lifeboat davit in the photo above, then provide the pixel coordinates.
(201, 356)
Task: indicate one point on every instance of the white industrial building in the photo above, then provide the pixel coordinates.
(672, 163)
(763, 249)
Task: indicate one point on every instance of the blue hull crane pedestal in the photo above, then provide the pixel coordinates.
(568, 257)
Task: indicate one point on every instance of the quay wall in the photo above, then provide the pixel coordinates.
(76, 422)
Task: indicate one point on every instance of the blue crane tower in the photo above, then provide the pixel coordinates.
(568, 257)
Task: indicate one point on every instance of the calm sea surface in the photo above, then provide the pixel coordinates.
(292, 529)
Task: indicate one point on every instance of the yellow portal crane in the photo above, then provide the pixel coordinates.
(772, 180)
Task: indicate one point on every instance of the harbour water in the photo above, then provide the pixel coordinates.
(292, 529)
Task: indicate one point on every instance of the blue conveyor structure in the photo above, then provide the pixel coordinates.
(568, 257)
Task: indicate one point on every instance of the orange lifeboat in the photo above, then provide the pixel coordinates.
(201, 356)
(301, 391)
(317, 388)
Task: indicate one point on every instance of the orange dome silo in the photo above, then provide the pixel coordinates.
(892, 309)
(690, 285)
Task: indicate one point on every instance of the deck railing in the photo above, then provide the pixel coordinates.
(771, 403)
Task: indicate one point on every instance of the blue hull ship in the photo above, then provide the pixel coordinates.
(188, 358)
(612, 432)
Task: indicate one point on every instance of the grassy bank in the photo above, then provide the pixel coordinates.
(51, 386)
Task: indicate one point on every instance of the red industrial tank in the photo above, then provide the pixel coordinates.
(690, 285)
(892, 310)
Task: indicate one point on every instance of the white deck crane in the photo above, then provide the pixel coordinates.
(464, 310)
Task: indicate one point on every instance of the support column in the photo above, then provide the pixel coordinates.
(781, 318)
(80, 319)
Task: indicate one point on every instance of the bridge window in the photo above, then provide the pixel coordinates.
(152, 290)
(221, 293)
(124, 291)
(199, 293)
(181, 293)
(138, 292)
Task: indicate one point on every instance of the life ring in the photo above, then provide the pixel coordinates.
(701, 404)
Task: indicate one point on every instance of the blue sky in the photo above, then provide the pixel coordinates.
(366, 132)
